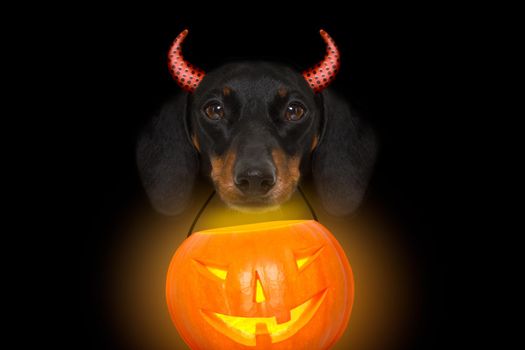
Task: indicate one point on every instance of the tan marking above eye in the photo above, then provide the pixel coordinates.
(304, 257)
(218, 271)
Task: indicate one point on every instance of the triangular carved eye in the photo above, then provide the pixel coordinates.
(214, 269)
(305, 257)
(218, 272)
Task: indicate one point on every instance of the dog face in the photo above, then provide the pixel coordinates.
(254, 125)
(255, 129)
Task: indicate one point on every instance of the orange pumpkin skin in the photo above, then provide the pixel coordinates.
(275, 285)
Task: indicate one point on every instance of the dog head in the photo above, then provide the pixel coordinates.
(254, 124)
(255, 129)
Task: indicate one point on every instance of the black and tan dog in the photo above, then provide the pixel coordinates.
(256, 129)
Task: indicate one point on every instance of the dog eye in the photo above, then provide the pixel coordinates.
(214, 111)
(294, 112)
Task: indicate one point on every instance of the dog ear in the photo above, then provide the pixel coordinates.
(166, 158)
(343, 161)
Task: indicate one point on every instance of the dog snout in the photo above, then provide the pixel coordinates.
(255, 180)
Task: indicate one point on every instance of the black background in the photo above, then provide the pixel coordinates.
(397, 71)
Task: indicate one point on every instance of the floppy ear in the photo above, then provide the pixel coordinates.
(166, 159)
(343, 160)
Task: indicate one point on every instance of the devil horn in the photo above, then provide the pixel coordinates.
(323, 73)
(185, 74)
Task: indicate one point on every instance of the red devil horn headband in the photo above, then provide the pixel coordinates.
(188, 76)
(323, 73)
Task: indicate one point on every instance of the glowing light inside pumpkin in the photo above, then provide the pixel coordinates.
(301, 262)
(245, 330)
(259, 293)
(213, 268)
(218, 272)
(303, 259)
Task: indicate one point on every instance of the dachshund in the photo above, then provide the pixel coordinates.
(256, 130)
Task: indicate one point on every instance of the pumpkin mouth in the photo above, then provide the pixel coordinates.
(251, 331)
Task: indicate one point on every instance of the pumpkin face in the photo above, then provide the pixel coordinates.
(273, 285)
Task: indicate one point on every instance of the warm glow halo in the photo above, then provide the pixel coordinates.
(248, 228)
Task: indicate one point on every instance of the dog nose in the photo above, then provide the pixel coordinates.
(255, 181)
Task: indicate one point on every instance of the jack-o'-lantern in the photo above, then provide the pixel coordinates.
(271, 285)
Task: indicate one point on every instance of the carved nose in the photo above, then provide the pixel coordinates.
(255, 181)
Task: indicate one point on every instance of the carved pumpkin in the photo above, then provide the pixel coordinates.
(272, 285)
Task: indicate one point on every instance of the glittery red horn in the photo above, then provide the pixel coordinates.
(323, 73)
(187, 76)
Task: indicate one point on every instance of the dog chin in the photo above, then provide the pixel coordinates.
(253, 209)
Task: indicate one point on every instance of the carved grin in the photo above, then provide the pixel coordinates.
(252, 330)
